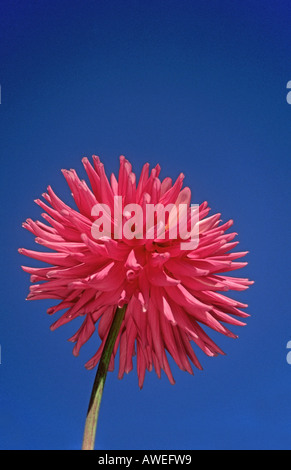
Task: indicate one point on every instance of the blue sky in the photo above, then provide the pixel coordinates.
(199, 87)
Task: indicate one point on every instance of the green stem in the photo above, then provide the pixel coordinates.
(98, 386)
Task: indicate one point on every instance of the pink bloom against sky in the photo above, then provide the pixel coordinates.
(171, 291)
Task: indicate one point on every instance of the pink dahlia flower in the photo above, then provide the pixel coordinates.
(170, 293)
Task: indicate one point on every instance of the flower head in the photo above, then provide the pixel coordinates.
(99, 261)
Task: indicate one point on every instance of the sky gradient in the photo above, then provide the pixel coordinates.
(200, 88)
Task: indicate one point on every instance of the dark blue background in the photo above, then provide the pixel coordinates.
(199, 87)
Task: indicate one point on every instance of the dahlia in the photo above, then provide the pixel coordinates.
(162, 293)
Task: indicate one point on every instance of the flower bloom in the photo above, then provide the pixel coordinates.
(170, 292)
